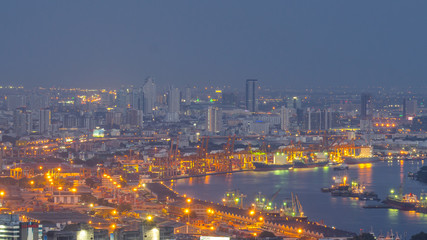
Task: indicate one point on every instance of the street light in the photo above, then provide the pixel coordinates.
(2, 193)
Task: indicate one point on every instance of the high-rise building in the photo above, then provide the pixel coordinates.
(229, 98)
(137, 99)
(284, 118)
(15, 101)
(251, 95)
(44, 121)
(214, 120)
(135, 118)
(149, 93)
(409, 107)
(37, 101)
(187, 96)
(294, 102)
(173, 105)
(113, 119)
(12, 228)
(322, 119)
(22, 121)
(365, 107)
(122, 98)
(366, 112)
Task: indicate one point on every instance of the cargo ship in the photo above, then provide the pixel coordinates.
(280, 162)
(407, 202)
(361, 155)
(318, 160)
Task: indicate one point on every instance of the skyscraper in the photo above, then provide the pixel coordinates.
(251, 95)
(173, 105)
(409, 107)
(187, 97)
(365, 112)
(284, 118)
(214, 120)
(45, 121)
(22, 122)
(365, 107)
(149, 91)
(137, 99)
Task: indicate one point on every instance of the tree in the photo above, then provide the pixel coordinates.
(124, 207)
(364, 236)
(92, 183)
(88, 198)
(419, 236)
(266, 234)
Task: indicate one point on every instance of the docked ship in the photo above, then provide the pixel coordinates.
(422, 204)
(233, 199)
(361, 155)
(407, 202)
(318, 160)
(291, 208)
(280, 162)
(342, 188)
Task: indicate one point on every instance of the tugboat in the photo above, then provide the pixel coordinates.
(407, 202)
(341, 188)
(341, 167)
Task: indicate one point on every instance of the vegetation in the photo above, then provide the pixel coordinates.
(419, 236)
(422, 174)
(364, 236)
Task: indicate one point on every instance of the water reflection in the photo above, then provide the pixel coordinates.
(345, 213)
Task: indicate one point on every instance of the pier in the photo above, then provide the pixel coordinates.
(269, 222)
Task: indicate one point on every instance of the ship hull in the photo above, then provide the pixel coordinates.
(259, 166)
(310, 165)
(399, 205)
(350, 160)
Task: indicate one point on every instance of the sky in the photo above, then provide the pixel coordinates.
(283, 44)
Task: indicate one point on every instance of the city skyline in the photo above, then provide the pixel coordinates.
(283, 43)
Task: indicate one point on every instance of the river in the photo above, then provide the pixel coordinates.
(343, 213)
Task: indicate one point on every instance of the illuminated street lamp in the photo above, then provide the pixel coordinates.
(188, 200)
(2, 193)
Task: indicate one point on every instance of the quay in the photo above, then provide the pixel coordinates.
(268, 222)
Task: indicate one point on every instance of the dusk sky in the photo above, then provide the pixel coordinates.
(285, 44)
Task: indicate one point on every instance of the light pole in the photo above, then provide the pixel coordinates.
(2, 197)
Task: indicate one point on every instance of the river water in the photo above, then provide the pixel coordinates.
(343, 213)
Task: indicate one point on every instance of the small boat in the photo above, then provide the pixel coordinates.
(341, 167)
